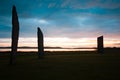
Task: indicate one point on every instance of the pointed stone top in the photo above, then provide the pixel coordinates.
(13, 5)
(100, 36)
(38, 28)
(14, 8)
(39, 31)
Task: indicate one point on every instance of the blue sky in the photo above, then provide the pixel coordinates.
(63, 18)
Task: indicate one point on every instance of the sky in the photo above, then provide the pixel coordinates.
(64, 23)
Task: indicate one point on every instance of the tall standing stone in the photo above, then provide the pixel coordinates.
(40, 43)
(15, 35)
(100, 45)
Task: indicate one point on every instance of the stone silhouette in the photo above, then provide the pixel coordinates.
(15, 35)
(40, 43)
(100, 45)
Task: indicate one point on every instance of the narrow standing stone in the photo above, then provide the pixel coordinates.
(15, 35)
(40, 43)
(100, 45)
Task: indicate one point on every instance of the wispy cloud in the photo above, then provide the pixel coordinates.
(63, 18)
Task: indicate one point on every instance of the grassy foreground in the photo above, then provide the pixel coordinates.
(62, 66)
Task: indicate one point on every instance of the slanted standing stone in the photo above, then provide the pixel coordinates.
(15, 35)
(40, 43)
(100, 44)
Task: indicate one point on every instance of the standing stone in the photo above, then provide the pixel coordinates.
(100, 44)
(15, 35)
(40, 43)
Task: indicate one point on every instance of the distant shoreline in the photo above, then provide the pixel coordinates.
(48, 48)
(60, 48)
(55, 49)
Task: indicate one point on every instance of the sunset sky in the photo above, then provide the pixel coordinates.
(65, 23)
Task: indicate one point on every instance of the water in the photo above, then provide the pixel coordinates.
(27, 50)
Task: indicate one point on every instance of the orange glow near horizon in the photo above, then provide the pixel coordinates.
(62, 42)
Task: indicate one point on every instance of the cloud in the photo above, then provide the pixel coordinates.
(46, 8)
(85, 4)
(117, 44)
(64, 18)
(51, 5)
(42, 21)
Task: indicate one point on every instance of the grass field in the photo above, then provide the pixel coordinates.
(62, 66)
